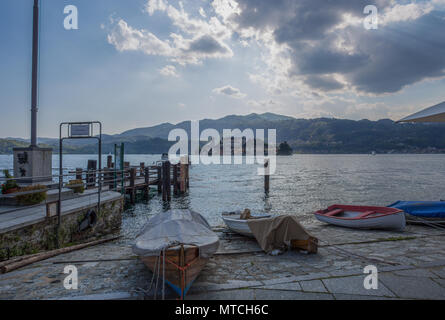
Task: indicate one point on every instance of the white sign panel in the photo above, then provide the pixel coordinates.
(80, 130)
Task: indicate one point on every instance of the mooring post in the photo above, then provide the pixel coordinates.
(159, 169)
(147, 181)
(187, 168)
(266, 176)
(175, 179)
(92, 168)
(107, 178)
(142, 169)
(109, 162)
(109, 173)
(79, 172)
(166, 181)
(184, 174)
(182, 178)
(132, 185)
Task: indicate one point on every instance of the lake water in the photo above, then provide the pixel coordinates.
(302, 184)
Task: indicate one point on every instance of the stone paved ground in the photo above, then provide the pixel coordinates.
(411, 266)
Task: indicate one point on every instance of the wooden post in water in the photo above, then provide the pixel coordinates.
(175, 179)
(166, 181)
(159, 179)
(142, 171)
(79, 172)
(109, 177)
(147, 182)
(266, 176)
(183, 174)
(92, 168)
(132, 185)
(110, 162)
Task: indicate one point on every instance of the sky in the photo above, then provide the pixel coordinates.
(138, 63)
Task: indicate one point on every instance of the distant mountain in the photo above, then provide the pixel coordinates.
(322, 135)
(254, 121)
(8, 144)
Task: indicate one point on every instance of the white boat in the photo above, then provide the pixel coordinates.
(363, 217)
(237, 225)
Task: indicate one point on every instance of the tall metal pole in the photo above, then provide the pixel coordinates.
(35, 62)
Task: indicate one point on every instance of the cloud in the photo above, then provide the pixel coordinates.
(324, 83)
(196, 40)
(155, 5)
(306, 43)
(202, 12)
(230, 91)
(169, 71)
(208, 45)
(125, 38)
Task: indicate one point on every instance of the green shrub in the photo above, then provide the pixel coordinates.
(10, 184)
(32, 198)
(76, 185)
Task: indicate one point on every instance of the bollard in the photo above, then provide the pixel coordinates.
(166, 182)
(132, 185)
(147, 182)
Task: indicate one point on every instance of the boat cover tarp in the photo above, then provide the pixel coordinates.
(424, 209)
(176, 227)
(276, 232)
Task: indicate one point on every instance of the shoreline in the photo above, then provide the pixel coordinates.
(411, 265)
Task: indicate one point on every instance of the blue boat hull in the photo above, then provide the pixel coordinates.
(422, 209)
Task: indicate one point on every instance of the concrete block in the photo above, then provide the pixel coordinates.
(32, 165)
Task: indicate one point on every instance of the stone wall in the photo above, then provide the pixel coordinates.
(42, 236)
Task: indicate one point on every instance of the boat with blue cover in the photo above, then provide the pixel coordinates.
(429, 210)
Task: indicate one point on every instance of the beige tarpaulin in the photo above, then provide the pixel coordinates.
(277, 232)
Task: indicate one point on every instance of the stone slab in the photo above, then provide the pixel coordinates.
(290, 286)
(261, 294)
(354, 285)
(313, 286)
(416, 273)
(413, 287)
(224, 295)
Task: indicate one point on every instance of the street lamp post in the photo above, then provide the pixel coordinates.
(35, 70)
(33, 164)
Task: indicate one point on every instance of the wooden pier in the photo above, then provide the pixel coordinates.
(163, 176)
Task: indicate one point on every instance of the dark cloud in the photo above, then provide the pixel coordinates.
(324, 83)
(322, 60)
(402, 55)
(208, 45)
(375, 61)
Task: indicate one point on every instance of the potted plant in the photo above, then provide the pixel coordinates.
(32, 195)
(10, 186)
(76, 185)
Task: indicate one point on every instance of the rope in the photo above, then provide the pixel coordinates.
(163, 275)
(352, 255)
(337, 249)
(157, 279)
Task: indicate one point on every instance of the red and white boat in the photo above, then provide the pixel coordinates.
(363, 217)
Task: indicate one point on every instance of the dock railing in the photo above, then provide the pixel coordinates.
(132, 179)
(80, 183)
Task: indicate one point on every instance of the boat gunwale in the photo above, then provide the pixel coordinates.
(225, 217)
(389, 212)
